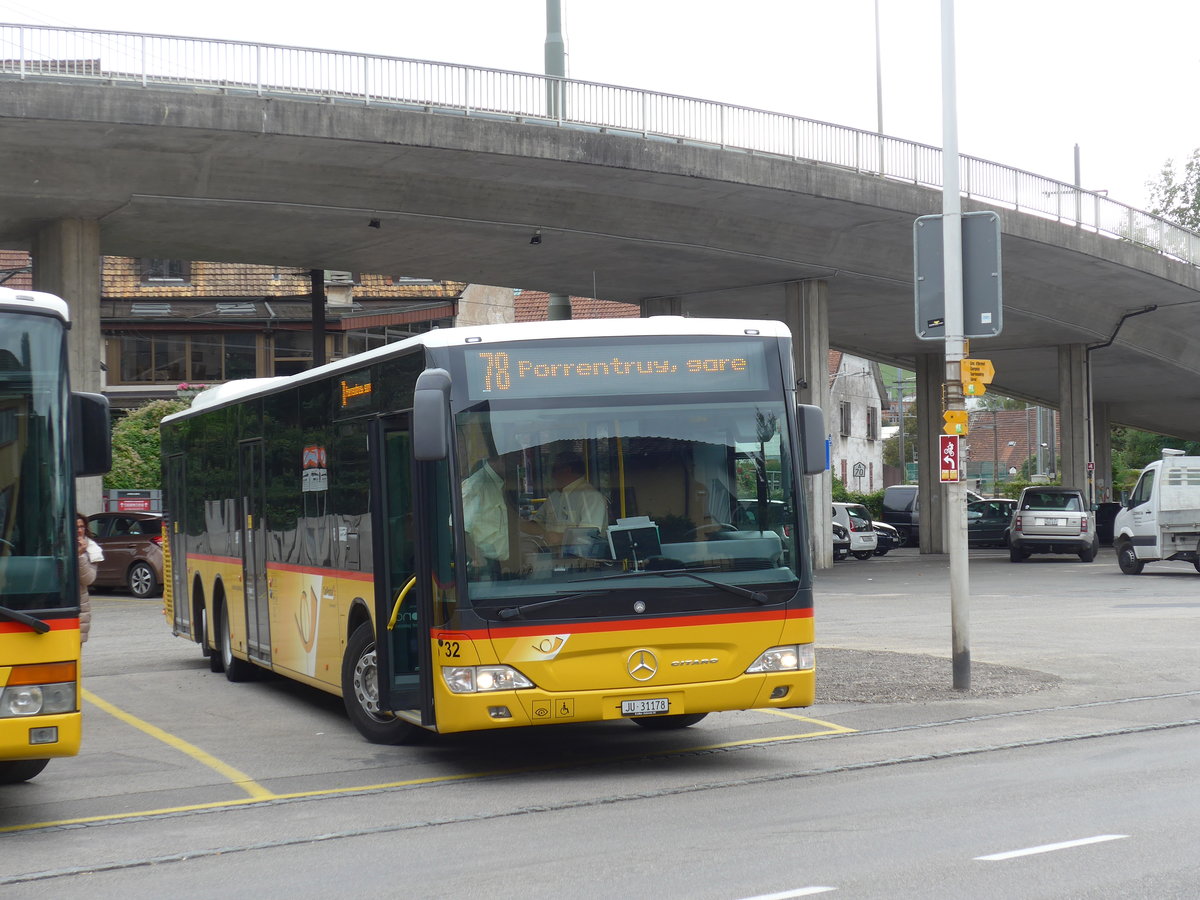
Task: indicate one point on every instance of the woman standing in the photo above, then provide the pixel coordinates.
(87, 573)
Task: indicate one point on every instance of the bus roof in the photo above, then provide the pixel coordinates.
(491, 334)
(33, 301)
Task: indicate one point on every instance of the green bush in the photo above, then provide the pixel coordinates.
(135, 447)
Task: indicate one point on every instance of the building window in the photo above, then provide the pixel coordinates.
(844, 409)
(166, 359)
(293, 352)
(872, 423)
(166, 271)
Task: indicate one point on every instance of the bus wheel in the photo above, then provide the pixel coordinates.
(20, 770)
(235, 669)
(669, 723)
(215, 663)
(360, 693)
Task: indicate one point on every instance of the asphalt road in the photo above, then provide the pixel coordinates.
(1074, 749)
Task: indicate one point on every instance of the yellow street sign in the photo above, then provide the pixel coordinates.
(956, 421)
(975, 373)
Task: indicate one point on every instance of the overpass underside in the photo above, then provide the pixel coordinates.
(190, 174)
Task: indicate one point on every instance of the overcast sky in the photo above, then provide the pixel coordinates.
(1035, 77)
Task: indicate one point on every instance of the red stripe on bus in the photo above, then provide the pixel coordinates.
(71, 624)
(527, 630)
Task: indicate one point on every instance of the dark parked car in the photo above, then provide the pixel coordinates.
(841, 542)
(988, 521)
(889, 538)
(132, 545)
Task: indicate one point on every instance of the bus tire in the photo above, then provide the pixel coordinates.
(19, 770)
(360, 693)
(235, 669)
(215, 664)
(669, 723)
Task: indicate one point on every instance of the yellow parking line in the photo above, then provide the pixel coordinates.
(241, 779)
(260, 794)
(833, 729)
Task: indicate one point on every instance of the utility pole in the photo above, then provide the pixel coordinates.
(955, 516)
(556, 60)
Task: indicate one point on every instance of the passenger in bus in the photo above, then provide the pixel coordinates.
(574, 502)
(486, 514)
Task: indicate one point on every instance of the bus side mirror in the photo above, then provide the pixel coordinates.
(812, 437)
(91, 436)
(431, 415)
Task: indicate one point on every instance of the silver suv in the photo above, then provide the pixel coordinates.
(1052, 519)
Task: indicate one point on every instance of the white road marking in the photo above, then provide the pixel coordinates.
(1049, 848)
(799, 892)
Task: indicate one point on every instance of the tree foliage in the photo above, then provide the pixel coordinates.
(1133, 450)
(135, 447)
(1176, 196)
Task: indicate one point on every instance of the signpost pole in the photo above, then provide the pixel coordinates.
(955, 515)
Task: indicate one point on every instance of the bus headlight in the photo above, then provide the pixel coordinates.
(37, 699)
(39, 689)
(479, 679)
(792, 658)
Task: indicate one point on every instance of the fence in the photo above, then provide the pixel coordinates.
(141, 60)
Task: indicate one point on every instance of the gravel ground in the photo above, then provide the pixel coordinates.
(862, 676)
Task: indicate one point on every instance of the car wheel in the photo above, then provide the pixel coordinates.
(360, 693)
(839, 555)
(1090, 553)
(905, 536)
(1128, 561)
(1015, 555)
(141, 580)
(863, 554)
(883, 552)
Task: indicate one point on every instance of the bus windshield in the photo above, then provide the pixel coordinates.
(605, 497)
(36, 523)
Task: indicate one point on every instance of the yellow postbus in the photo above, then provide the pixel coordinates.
(47, 436)
(507, 525)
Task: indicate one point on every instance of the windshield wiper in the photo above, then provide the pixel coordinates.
(513, 612)
(757, 596)
(25, 619)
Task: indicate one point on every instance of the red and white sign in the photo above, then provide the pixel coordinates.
(948, 457)
(127, 504)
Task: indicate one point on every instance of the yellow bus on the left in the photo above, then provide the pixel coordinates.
(48, 437)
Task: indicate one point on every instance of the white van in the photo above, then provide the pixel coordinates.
(856, 519)
(1161, 518)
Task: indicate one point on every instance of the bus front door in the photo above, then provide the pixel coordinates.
(254, 548)
(402, 580)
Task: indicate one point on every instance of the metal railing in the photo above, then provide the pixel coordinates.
(127, 59)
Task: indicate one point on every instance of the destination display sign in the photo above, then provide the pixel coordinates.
(563, 370)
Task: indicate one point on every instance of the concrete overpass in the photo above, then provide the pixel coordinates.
(678, 204)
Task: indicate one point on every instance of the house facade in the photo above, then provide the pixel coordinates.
(857, 400)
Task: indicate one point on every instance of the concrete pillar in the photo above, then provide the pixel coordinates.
(66, 262)
(931, 377)
(662, 306)
(1074, 415)
(806, 313)
(1102, 489)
